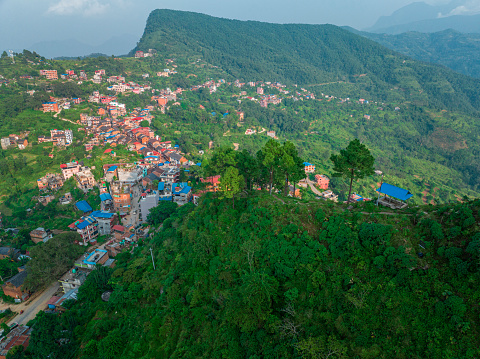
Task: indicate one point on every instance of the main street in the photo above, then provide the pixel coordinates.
(32, 306)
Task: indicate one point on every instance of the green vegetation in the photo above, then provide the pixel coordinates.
(52, 259)
(294, 280)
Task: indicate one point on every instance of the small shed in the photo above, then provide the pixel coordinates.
(394, 196)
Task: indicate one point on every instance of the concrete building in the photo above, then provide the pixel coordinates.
(70, 169)
(40, 235)
(105, 221)
(50, 107)
(121, 194)
(73, 279)
(85, 179)
(147, 202)
(98, 256)
(322, 181)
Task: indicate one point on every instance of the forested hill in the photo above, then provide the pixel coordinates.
(458, 51)
(278, 278)
(307, 55)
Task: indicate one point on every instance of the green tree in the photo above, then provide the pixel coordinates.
(270, 156)
(144, 123)
(160, 213)
(354, 162)
(51, 259)
(292, 166)
(231, 183)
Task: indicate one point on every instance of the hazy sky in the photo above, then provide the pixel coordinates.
(25, 22)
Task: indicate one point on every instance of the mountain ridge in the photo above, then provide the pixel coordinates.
(306, 54)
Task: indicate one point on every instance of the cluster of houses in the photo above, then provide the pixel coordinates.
(58, 137)
(14, 140)
(141, 54)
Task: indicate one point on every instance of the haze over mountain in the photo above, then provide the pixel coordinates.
(460, 15)
(118, 45)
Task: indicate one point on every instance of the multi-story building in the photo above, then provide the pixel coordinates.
(87, 228)
(52, 181)
(67, 135)
(49, 74)
(50, 107)
(170, 175)
(98, 256)
(70, 169)
(309, 168)
(147, 202)
(322, 181)
(105, 221)
(85, 179)
(121, 194)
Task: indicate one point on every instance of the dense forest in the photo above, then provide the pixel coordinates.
(275, 277)
(307, 54)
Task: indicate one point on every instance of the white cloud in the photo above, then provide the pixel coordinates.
(470, 7)
(76, 7)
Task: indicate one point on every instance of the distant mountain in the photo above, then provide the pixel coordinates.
(450, 48)
(118, 45)
(461, 23)
(307, 55)
(459, 15)
(416, 11)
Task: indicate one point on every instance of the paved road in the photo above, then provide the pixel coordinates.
(312, 187)
(31, 308)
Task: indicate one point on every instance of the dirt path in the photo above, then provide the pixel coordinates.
(64, 119)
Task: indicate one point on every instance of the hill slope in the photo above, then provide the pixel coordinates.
(274, 280)
(458, 51)
(307, 54)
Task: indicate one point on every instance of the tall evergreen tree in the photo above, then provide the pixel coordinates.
(354, 162)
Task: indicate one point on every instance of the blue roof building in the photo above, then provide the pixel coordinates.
(102, 214)
(398, 193)
(161, 186)
(84, 206)
(395, 192)
(87, 221)
(105, 197)
(112, 169)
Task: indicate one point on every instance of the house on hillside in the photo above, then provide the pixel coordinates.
(13, 286)
(309, 168)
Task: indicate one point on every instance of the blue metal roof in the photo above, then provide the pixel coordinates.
(199, 164)
(161, 186)
(307, 164)
(176, 146)
(185, 189)
(113, 168)
(165, 198)
(101, 214)
(105, 197)
(84, 206)
(395, 192)
(86, 222)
